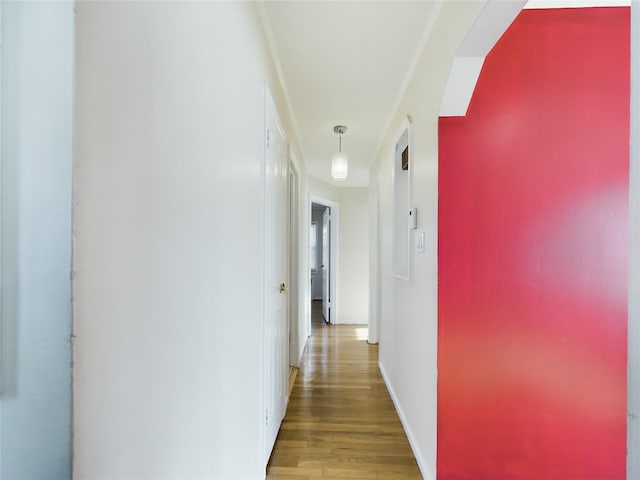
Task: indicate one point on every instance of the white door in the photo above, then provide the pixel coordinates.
(276, 237)
(326, 265)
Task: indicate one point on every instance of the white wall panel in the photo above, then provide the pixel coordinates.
(354, 255)
(168, 227)
(408, 310)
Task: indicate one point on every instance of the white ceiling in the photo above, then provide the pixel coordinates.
(345, 63)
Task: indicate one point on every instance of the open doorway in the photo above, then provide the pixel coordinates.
(323, 257)
(320, 257)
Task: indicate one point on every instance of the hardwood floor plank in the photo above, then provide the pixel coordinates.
(340, 422)
(309, 472)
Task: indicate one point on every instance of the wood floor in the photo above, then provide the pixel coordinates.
(340, 423)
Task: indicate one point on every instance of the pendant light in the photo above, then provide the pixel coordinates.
(339, 163)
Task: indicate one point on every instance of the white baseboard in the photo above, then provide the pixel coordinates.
(422, 465)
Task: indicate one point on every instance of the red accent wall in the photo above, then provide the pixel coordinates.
(533, 232)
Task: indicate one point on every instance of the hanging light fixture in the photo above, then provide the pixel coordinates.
(339, 163)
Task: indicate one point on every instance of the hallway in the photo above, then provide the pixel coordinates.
(488, 227)
(340, 422)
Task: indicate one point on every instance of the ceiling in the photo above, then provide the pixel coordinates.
(345, 63)
(348, 62)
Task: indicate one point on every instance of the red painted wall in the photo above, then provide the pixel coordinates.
(533, 231)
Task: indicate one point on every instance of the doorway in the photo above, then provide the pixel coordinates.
(319, 257)
(323, 255)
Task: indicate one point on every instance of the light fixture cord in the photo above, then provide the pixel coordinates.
(340, 143)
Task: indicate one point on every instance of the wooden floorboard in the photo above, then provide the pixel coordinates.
(340, 423)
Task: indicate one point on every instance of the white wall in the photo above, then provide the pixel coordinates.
(321, 189)
(168, 233)
(633, 407)
(354, 255)
(37, 98)
(353, 244)
(408, 310)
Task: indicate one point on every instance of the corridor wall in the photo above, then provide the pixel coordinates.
(168, 223)
(533, 252)
(407, 310)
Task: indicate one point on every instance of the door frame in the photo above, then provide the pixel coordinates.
(268, 417)
(375, 262)
(334, 257)
(294, 264)
(325, 268)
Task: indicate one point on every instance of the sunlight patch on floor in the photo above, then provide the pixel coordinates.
(362, 333)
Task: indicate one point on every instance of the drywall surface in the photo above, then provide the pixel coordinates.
(321, 189)
(354, 255)
(408, 310)
(37, 128)
(633, 402)
(533, 243)
(353, 245)
(168, 231)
